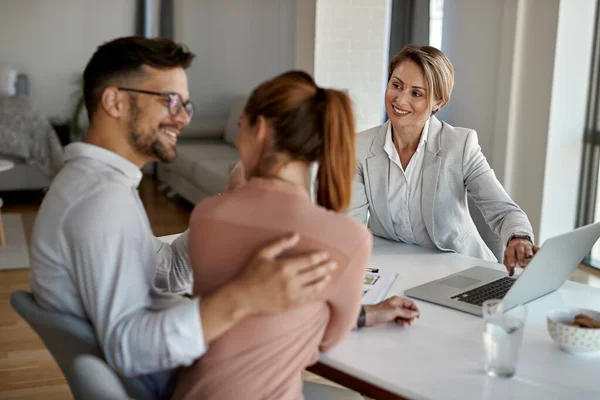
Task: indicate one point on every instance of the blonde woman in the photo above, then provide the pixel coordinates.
(414, 172)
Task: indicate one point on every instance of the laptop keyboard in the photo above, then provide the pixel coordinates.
(493, 290)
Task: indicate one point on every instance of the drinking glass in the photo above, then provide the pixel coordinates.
(502, 337)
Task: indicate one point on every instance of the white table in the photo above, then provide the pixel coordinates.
(5, 165)
(441, 355)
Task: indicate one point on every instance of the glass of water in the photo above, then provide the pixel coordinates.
(502, 337)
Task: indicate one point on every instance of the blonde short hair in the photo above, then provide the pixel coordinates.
(437, 70)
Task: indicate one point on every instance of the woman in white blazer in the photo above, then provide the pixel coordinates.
(414, 172)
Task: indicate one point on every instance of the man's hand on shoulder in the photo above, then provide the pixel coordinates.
(267, 285)
(271, 285)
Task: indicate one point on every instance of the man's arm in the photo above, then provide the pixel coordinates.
(140, 330)
(266, 286)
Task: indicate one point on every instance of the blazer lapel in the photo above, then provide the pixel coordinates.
(378, 172)
(431, 171)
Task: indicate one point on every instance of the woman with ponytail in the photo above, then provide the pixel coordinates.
(288, 124)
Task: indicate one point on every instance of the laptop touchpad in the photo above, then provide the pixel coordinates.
(459, 282)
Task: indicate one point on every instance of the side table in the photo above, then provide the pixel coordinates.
(5, 165)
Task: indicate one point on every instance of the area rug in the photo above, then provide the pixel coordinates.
(14, 254)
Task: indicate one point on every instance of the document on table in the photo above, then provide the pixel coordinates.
(376, 284)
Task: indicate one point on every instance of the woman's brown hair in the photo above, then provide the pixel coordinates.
(310, 124)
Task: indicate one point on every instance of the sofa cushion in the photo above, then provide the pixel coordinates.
(204, 129)
(211, 176)
(188, 154)
(8, 81)
(181, 165)
(232, 127)
(207, 151)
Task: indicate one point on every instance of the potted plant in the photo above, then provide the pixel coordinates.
(76, 127)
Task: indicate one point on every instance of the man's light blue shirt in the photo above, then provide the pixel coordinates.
(93, 255)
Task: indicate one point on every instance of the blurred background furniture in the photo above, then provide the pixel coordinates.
(5, 165)
(26, 137)
(206, 154)
(96, 380)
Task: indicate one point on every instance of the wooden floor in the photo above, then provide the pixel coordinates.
(27, 371)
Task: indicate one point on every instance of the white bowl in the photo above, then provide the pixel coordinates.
(573, 339)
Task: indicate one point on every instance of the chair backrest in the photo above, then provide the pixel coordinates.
(96, 380)
(491, 239)
(67, 337)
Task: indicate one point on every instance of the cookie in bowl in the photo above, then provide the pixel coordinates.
(575, 330)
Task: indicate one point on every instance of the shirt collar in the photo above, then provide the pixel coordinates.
(389, 147)
(113, 160)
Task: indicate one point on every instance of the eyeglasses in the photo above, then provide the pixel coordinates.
(175, 102)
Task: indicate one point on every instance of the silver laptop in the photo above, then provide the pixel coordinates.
(546, 272)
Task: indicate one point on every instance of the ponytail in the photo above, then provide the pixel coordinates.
(338, 163)
(309, 124)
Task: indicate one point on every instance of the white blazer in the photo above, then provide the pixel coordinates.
(454, 168)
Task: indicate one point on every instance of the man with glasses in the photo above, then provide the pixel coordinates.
(93, 254)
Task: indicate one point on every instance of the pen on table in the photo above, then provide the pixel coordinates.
(373, 270)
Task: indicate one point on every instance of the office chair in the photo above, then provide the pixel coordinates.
(95, 380)
(67, 337)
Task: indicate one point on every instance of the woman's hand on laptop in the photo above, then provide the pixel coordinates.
(518, 253)
(402, 311)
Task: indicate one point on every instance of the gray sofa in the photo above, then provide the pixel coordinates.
(206, 154)
(24, 175)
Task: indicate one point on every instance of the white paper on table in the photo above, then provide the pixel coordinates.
(376, 285)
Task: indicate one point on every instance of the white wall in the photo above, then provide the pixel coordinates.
(238, 44)
(522, 70)
(305, 35)
(52, 41)
(351, 52)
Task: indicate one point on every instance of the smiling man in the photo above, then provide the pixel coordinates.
(93, 254)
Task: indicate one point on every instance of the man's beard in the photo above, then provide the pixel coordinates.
(147, 142)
